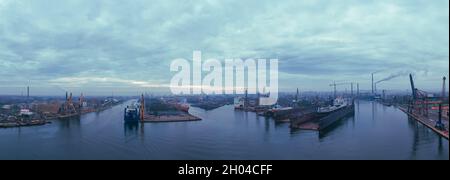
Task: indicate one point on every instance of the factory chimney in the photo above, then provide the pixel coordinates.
(357, 89)
(372, 83)
(246, 99)
(28, 97)
(351, 88)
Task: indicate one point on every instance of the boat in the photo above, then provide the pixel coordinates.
(343, 108)
(324, 117)
(338, 103)
(278, 111)
(239, 103)
(131, 113)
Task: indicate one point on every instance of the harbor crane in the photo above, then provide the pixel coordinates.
(421, 102)
(68, 106)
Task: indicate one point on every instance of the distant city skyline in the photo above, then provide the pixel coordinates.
(104, 47)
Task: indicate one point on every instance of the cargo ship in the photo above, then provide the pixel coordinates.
(131, 113)
(325, 116)
(239, 103)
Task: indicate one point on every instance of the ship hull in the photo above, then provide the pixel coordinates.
(335, 116)
(131, 116)
(321, 121)
(278, 114)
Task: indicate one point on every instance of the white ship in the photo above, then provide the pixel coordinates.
(338, 103)
(239, 102)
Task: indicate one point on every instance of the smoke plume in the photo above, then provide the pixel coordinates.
(392, 76)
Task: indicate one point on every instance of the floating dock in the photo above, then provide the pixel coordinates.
(317, 121)
(170, 118)
(21, 124)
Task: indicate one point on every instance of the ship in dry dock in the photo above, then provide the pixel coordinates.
(325, 116)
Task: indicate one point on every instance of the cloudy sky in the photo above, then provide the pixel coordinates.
(123, 47)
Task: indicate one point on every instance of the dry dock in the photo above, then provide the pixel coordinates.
(21, 124)
(170, 118)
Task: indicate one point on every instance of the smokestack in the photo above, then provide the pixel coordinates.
(246, 99)
(357, 89)
(372, 83)
(351, 86)
(28, 96)
(375, 87)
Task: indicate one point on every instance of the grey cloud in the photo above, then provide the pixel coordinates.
(320, 40)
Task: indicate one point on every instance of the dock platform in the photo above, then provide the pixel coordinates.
(427, 122)
(170, 118)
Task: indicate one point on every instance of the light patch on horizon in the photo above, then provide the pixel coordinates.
(99, 45)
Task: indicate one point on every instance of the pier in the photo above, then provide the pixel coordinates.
(430, 123)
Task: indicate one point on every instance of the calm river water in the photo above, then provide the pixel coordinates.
(374, 132)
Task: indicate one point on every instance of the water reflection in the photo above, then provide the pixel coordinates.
(69, 123)
(337, 125)
(372, 133)
(423, 136)
(131, 128)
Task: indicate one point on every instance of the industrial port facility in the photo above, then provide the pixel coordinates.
(224, 80)
(302, 112)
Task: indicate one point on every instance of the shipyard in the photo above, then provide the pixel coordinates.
(312, 112)
(299, 111)
(26, 110)
(224, 80)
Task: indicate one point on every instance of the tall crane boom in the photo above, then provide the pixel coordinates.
(443, 89)
(413, 88)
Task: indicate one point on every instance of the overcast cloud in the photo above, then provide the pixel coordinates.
(126, 46)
